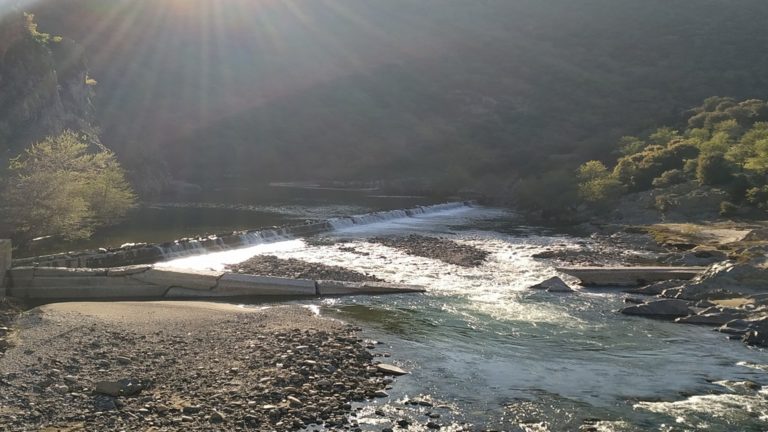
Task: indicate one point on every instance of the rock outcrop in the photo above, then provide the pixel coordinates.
(725, 280)
(44, 86)
(666, 308)
(553, 284)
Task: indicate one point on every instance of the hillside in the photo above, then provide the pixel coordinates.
(44, 86)
(459, 92)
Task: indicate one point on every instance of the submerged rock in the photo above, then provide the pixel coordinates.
(666, 308)
(553, 284)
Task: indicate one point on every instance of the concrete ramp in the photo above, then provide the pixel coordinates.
(629, 276)
(148, 282)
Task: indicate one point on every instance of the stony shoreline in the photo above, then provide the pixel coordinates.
(165, 366)
(442, 249)
(269, 265)
(731, 295)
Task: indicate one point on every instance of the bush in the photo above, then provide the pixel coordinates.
(728, 208)
(713, 170)
(758, 197)
(597, 185)
(669, 178)
(638, 171)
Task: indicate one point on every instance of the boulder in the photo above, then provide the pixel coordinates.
(760, 234)
(656, 288)
(666, 308)
(714, 316)
(698, 256)
(725, 280)
(757, 333)
(389, 369)
(553, 284)
(735, 327)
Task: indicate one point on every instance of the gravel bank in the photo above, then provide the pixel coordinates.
(436, 248)
(182, 366)
(268, 265)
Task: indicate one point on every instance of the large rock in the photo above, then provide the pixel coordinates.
(757, 333)
(725, 280)
(389, 369)
(666, 308)
(699, 256)
(656, 288)
(553, 284)
(714, 316)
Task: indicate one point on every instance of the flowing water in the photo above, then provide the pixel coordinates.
(492, 354)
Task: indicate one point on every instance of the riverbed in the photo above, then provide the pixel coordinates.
(491, 354)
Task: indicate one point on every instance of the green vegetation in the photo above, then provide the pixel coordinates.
(725, 146)
(56, 187)
(597, 184)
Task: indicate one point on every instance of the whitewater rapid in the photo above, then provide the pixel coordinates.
(504, 356)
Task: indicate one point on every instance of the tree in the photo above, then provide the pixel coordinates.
(597, 185)
(57, 188)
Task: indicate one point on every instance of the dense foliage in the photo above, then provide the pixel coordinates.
(56, 187)
(725, 146)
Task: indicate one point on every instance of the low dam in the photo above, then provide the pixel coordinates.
(143, 253)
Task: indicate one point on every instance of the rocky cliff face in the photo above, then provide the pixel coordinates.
(43, 87)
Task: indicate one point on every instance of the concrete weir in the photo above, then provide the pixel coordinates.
(629, 276)
(149, 282)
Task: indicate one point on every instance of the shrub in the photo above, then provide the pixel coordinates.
(597, 185)
(638, 171)
(758, 196)
(669, 178)
(728, 208)
(713, 170)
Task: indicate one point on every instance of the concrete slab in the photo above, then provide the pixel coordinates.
(235, 284)
(331, 288)
(68, 272)
(629, 276)
(194, 279)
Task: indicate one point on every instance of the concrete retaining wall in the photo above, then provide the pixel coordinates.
(148, 282)
(5, 263)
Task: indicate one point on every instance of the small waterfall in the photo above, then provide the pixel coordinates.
(257, 237)
(182, 248)
(345, 222)
(130, 254)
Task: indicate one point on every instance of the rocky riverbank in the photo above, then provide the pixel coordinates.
(269, 265)
(184, 366)
(442, 249)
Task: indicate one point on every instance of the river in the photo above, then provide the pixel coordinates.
(490, 354)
